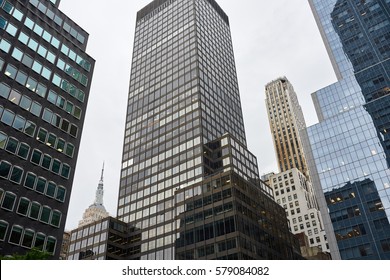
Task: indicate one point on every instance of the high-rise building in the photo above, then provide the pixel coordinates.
(45, 78)
(294, 192)
(96, 211)
(349, 145)
(286, 123)
(292, 186)
(183, 99)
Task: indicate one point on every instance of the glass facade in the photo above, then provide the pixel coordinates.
(352, 157)
(106, 239)
(183, 95)
(45, 77)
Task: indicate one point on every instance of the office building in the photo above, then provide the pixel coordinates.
(183, 98)
(231, 215)
(294, 192)
(45, 78)
(107, 239)
(286, 123)
(292, 186)
(96, 211)
(350, 144)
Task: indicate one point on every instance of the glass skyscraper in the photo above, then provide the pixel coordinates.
(45, 78)
(186, 170)
(350, 145)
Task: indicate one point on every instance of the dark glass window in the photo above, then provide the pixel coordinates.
(41, 185)
(60, 195)
(45, 215)
(51, 244)
(5, 169)
(16, 175)
(30, 181)
(55, 219)
(39, 241)
(28, 238)
(3, 229)
(16, 234)
(12, 145)
(51, 189)
(34, 210)
(23, 206)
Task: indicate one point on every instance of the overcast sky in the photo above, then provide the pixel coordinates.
(270, 38)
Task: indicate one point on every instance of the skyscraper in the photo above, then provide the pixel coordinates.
(45, 80)
(350, 144)
(286, 122)
(183, 99)
(292, 186)
(96, 211)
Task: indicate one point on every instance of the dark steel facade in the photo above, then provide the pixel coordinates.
(45, 78)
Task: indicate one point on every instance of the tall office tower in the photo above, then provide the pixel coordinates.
(292, 186)
(45, 80)
(96, 211)
(286, 122)
(350, 144)
(183, 97)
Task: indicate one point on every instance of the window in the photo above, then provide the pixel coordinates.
(3, 229)
(60, 195)
(30, 181)
(36, 109)
(5, 169)
(69, 150)
(34, 210)
(28, 237)
(51, 189)
(65, 170)
(3, 140)
(56, 219)
(12, 145)
(23, 206)
(23, 150)
(41, 185)
(8, 117)
(29, 129)
(45, 214)
(16, 234)
(51, 244)
(39, 241)
(4, 90)
(19, 123)
(36, 157)
(42, 135)
(16, 175)
(55, 167)
(46, 161)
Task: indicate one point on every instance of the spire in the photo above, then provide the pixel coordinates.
(100, 191)
(101, 178)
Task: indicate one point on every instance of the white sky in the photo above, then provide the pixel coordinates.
(271, 39)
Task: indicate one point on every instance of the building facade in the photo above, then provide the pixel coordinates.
(45, 78)
(183, 95)
(294, 192)
(286, 123)
(107, 239)
(232, 215)
(96, 211)
(350, 143)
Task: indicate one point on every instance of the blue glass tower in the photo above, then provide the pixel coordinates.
(351, 160)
